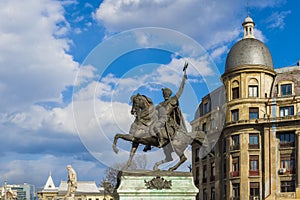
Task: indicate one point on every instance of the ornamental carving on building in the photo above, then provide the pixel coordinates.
(158, 183)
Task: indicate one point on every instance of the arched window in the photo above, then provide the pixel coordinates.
(253, 88)
(235, 90)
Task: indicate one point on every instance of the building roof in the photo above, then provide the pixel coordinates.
(248, 51)
(49, 184)
(82, 187)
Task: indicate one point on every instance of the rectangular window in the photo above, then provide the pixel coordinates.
(204, 127)
(286, 111)
(253, 141)
(286, 89)
(287, 186)
(197, 154)
(287, 139)
(197, 179)
(235, 93)
(204, 174)
(253, 91)
(235, 167)
(253, 113)
(212, 172)
(235, 115)
(254, 190)
(212, 193)
(288, 162)
(204, 194)
(254, 167)
(235, 142)
(235, 190)
(206, 107)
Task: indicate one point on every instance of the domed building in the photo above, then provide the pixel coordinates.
(253, 124)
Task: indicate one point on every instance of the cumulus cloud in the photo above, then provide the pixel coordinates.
(16, 171)
(33, 49)
(198, 19)
(35, 67)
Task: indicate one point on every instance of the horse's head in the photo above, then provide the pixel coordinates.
(139, 102)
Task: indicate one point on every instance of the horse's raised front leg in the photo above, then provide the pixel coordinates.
(168, 158)
(182, 160)
(126, 137)
(132, 152)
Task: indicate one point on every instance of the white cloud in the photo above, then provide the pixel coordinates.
(17, 171)
(35, 65)
(276, 20)
(259, 35)
(198, 19)
(213, 24)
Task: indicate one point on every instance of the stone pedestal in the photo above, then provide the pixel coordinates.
(150, 185)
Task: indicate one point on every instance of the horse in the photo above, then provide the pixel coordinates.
(146, 114)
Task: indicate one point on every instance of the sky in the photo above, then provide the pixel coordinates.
(69, 67)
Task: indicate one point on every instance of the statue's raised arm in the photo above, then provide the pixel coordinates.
(180, 90)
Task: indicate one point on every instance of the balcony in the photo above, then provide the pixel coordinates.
(253, 172)
(253, 146)
(212, 178)
(284, 171)
(286, 144)
(235, 174)
(235, 147)
(204, 180)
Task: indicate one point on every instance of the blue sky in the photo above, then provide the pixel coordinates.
(69, 67)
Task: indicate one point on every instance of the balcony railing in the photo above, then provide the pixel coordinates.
(253, 146)
(204, 180)
(212, 178)
(235, 173)
(254, 172)
(235, 147)
(286, 144)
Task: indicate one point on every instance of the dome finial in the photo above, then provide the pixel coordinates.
(248, 27)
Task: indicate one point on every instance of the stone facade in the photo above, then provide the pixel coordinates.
(257, 146)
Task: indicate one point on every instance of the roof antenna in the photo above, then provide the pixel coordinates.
(248, 9)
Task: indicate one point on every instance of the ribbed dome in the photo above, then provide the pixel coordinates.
(249, 51)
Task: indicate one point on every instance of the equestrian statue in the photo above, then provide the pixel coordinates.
(160, 126)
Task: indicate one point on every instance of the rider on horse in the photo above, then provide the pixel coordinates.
(170, 118)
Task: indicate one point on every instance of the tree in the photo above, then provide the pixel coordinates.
(110, 181)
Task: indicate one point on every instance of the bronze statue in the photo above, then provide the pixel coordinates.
(161, 126)
(170, 118)
(72, 182)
